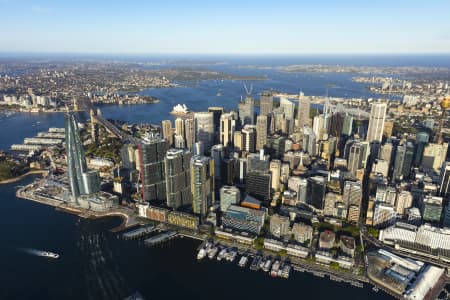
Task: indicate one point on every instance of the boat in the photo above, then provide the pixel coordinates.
(212, 252)
(243, 261)
(201, 254)
(286, 270)
(232, 255)
(255, 263)
(375, 289)
(267, 265)
(180, 109)
(222, 254)
(275, 269)
(48, 254)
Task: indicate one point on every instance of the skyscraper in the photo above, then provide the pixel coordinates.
(248, 138)
(167, 132)
(179, 127)
(316, 192)
(229, 195)
(204, 128)
(355, 158)
(275, 170)
(258, 184)
(265, 104)
(444, 181)
(217, 112)
(202, 184)
(152, 153)
(376, 122)
(227, 128)
(178, 179)
(247, 111)
(304, 106)
(189, 133)
(288, 108)
(261, 132)
(309, 141)
(81, 180)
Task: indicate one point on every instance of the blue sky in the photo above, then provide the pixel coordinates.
(225, 27)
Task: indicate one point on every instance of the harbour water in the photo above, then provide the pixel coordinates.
(95, 264)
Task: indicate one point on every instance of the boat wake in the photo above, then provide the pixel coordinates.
(37, 252)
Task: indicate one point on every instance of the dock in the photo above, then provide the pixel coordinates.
(139, 232)
(165, 236)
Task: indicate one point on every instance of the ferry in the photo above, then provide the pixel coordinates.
(212, 252)
(255, 263)
(243, 261)
(201, 254)
(222, 254)
(275, 269)
(48, 254)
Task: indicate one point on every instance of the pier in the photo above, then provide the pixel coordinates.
(139, 232)
(165, 236)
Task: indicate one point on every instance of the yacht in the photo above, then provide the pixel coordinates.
(48, 254)
(201, 254)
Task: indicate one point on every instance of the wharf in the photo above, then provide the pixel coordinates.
(139, 232)
(165, 236)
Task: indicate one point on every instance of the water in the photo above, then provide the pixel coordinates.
(94, 264)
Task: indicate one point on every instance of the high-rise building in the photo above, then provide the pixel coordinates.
(352, 193)
(376, 122)
(265, 104)
(444, 180)
(276, 146)
(151, 158)
(431, 208)
(248, 138)
(275, 170)
(202, 184)
(315, 194)
(398, 163)
(355, 158)
(422, 138)
(227, 128)
(167, 131)
(217, 154)
(204, 128)
(178, 179)
(179, 142)
(304, 106)
(309, 141)
(288, 108)
(179, 127)
(404, 201)
(189, 133)
(434, 156)
(347, 126)
(261, 132)
(247, 111)
(258, 184)
(237, 137)
(217, 112)
(81, 180)
(229, 195)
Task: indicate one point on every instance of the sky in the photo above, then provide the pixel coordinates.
(225, 27)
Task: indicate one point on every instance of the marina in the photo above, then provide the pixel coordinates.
(139, 232)
(165, 236)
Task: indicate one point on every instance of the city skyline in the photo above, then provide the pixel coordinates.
(225, 28)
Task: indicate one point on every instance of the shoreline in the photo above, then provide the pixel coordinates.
(20, 177)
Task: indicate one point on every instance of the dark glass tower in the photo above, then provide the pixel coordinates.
(81, 180)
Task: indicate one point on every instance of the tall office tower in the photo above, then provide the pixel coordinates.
(167, 131)
(229, 195)
(81, 180)
(198, 148)
(336, 124)
(397, 173)
(247, 111)
(258, 184)
(227, 128)
(352, 196)
(276, 146)
(386, 152)
(304, 106)
(408, 160)
(315, 193)
(179, 142)
(434, 156)
(217, 154)
(288, 108)
(248, 138)
(261, 132)
(237, 137)
(404, 201)
(189, 134)
(179, 127)
(275, 170)
(204, 128)
(178, 179)
(355, 158)
(347, 125)
(444, 181)
(217, 112)
(202, 184)
(151, 158)
(422, 138)
(309, 141)
(228, 171)
(258, 162)
(265, 104)
(127, 155)
(376, 122)
(319, 126)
